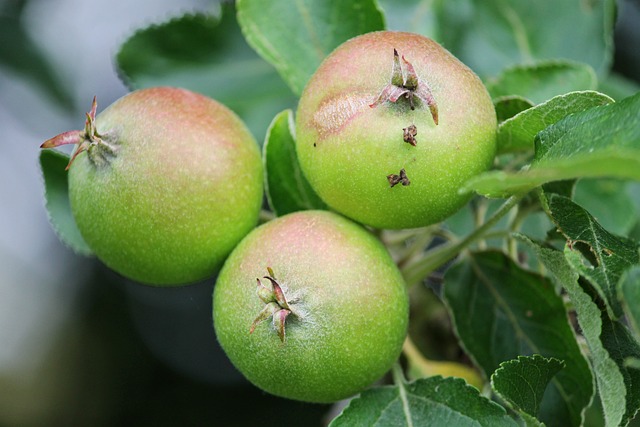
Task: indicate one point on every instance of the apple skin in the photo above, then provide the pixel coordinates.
(346, 148)
(351, 295)
(184, 187)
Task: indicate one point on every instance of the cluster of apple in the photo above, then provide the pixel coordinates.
(166, 187)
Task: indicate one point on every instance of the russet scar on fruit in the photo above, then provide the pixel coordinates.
(334, 113)
(406, 83)
(276, 305)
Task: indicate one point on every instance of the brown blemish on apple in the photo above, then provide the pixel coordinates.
(409, 134)
(398, 179)
(336, 112)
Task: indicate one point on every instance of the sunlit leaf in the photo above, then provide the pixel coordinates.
(599, 142)
(518, 132)
(296, 36)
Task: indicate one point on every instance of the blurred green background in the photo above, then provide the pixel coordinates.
(80, 346)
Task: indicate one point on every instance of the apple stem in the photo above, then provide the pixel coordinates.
(416, 272)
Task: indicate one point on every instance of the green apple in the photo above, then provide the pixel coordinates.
(390, 127)
(163, 184)
(310, 306)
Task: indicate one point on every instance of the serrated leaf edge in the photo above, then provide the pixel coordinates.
(83, 251)
(541, 65)
(215, 17)
(519, 360)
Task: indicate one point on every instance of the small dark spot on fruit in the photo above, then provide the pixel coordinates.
(314, 144)
(398, 179)
(409, 134)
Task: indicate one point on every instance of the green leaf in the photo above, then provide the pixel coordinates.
(53, 164)
(618, 87)
(501, 311)
(611, 384)
(522, 383)
(609, 202)
(296, 36)
(623, 347)
(508, 106)
(415, 16)
(608, 256)
(287, 188)
(542, 81)
(601, 141)
(518, 132)
(19, 53)
(629, 292)
(616, 125)
(433, 401)
(490, 35)
(209, 55)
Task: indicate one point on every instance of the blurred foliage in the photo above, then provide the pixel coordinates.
(24, 58)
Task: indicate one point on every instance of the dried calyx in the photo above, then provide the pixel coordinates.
(100, 147)
(406, 83)
(276, 304)
(409, 134)
(398, 179)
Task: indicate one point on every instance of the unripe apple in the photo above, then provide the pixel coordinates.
(164, 183)
(310, 306)
(390, 127)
